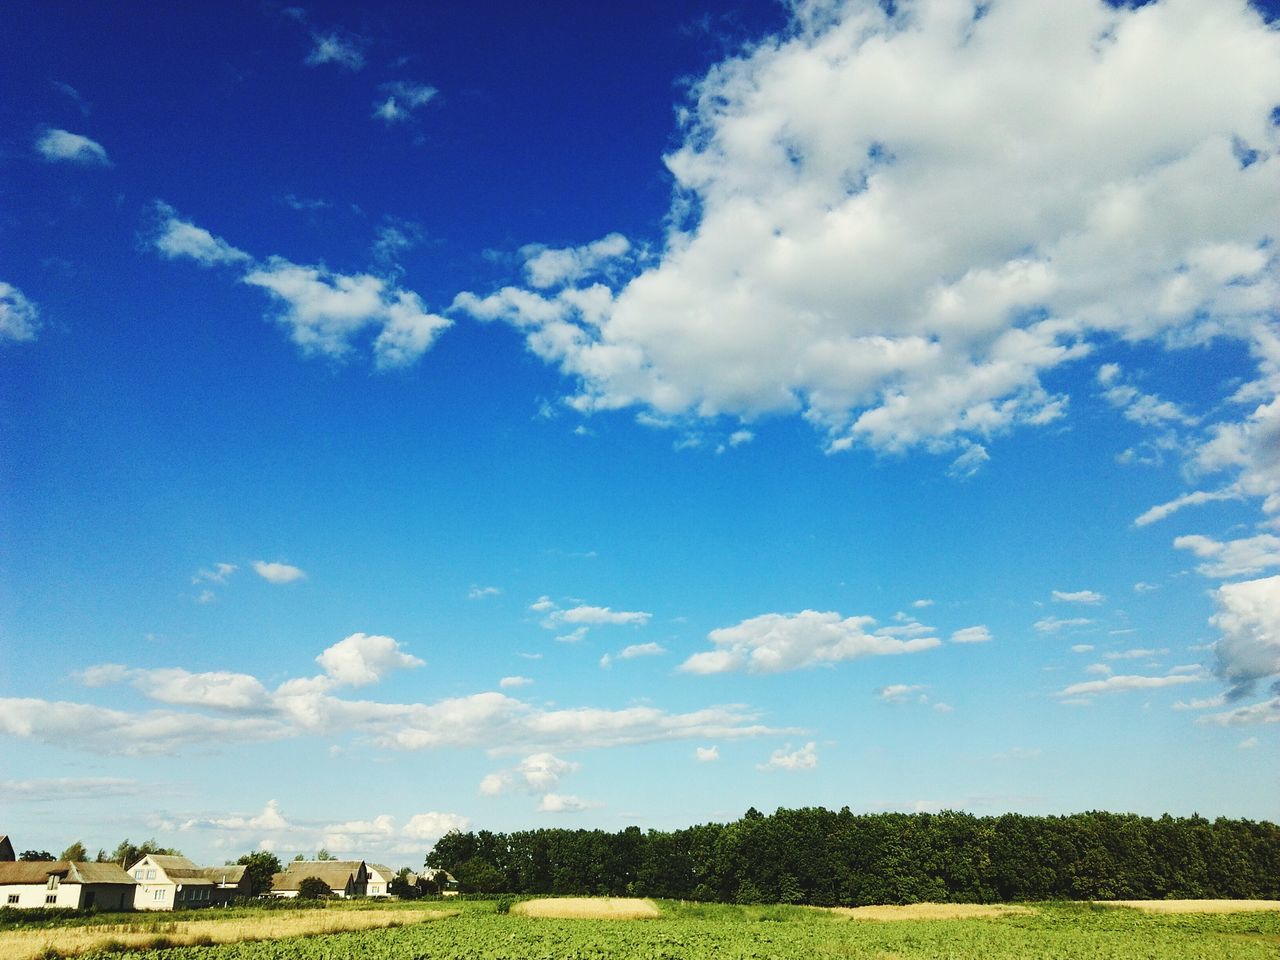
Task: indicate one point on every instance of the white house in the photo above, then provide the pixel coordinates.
(172, 883)
(66, 885)
(380, 877)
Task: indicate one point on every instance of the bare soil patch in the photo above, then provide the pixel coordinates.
(930, 911)
(589, 908)
(27, 944)
(1194, 906)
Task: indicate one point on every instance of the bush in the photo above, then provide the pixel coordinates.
(504, 904)
(313, 888)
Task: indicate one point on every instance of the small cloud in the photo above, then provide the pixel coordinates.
(174, 238)
(400, 99)
(561, 803)
(573, 636)
(219, 573)
(480, 593)
(1100, 669)
(739, 437)
(361, 659)
(278, 572)
(61, 146)
(642, 650)
(806, 758)
(507, 683)
(346, 52)
(969, 463)
(1054, 624)
(944, 708)
(1144, 587)
(1082, 648)
(1078, 596)
(706, 754)
(978, 634)
(1247, 744)
(1138, 653)
(901, 693)
(19, 317)
(206, 596)
(921, 604)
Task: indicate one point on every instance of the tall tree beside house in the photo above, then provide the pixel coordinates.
(312, 888)
(76, 853)
(126, 854)
(260, 866)
(33, 856)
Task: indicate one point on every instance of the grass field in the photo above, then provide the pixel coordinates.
(694, 931)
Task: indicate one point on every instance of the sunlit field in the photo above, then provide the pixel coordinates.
(672, 930)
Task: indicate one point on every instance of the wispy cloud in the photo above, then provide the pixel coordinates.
(19, 317)
(344, 50)
(62, 146)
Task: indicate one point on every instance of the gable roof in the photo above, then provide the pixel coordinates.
(6, 849)
(334, 873)
(383, 870)
(38, 871)
(228, 873)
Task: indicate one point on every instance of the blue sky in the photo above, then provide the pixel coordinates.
(506, 415)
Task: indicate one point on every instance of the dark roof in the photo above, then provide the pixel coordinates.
(6, 849)
(229, 873)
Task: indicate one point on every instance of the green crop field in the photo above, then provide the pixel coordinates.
(699, 931)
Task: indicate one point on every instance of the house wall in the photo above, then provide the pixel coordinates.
(106, 896)
(33, 895)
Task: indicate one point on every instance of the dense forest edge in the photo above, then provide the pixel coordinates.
(821, 857)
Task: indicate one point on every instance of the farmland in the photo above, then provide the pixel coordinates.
(687, 930)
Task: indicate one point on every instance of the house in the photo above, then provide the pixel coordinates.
(6, 850)
(344, 878)
(172, 883)
(229, 881)
(443, 880)
(67, 885)
(380, 877)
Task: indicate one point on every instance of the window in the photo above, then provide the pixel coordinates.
(137, 874)
(53, 881)
(151, 874)
(51, 898)
(158, 895)
(13, 898)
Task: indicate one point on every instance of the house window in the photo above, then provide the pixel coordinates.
(51, 898)
(53, 881)
(13, 898)
(158, 895)
(151, 874)
(137, 874)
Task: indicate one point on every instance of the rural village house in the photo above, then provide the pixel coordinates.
(443, 879)
(61, 883)
(175, 883)
(344, 878)
(380, 877)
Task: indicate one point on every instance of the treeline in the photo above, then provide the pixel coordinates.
(826, 858)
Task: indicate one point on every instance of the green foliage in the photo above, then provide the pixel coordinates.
(826, 858)
(313, 888)
(260, 866)
(127, 854)
(503, 905)
(478, 876)
(34, 856)
(76, 853)
(323, 854)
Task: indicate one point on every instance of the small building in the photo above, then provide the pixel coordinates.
(62, 884)
(344, 878)
(380, 877)
(230, 881)
(442, 880)
(171, 883)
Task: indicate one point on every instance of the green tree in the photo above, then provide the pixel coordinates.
(260, 867)
(323, 854)
(32, 856)
(127, 854)
(478, 876)
(76, 853)
(313, 888)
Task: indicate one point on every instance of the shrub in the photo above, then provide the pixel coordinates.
(313, 888)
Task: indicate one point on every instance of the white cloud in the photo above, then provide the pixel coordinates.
(901, 693)
(1144, 587)
(1193, 499)
(478, 592)
(219, 573)
(1266, 711)
(360, 659)
(278, 572)
(508, 683)
(642, 650)
(1248, 618)
(978, 634)
(597, 616)
(62, 146)
(1078, 596)
(1099, 668)
(921, 604)
(1204, 703)
(401, 99)
(1249, 743)
(561, 803)
(1082, 648)
(431, 826)
(806, 758)
(706, 754)
(39, 790)
(1139, 653)
(345, 51)
(943, 708)
(1232, 558)
(324, 311)
(176, 238)
(902, 257)
(1054, 624)
(1121, 684)
(19, 317)
(775, 642)
(548, 267)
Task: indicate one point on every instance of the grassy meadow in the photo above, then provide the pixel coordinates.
(585, 929)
